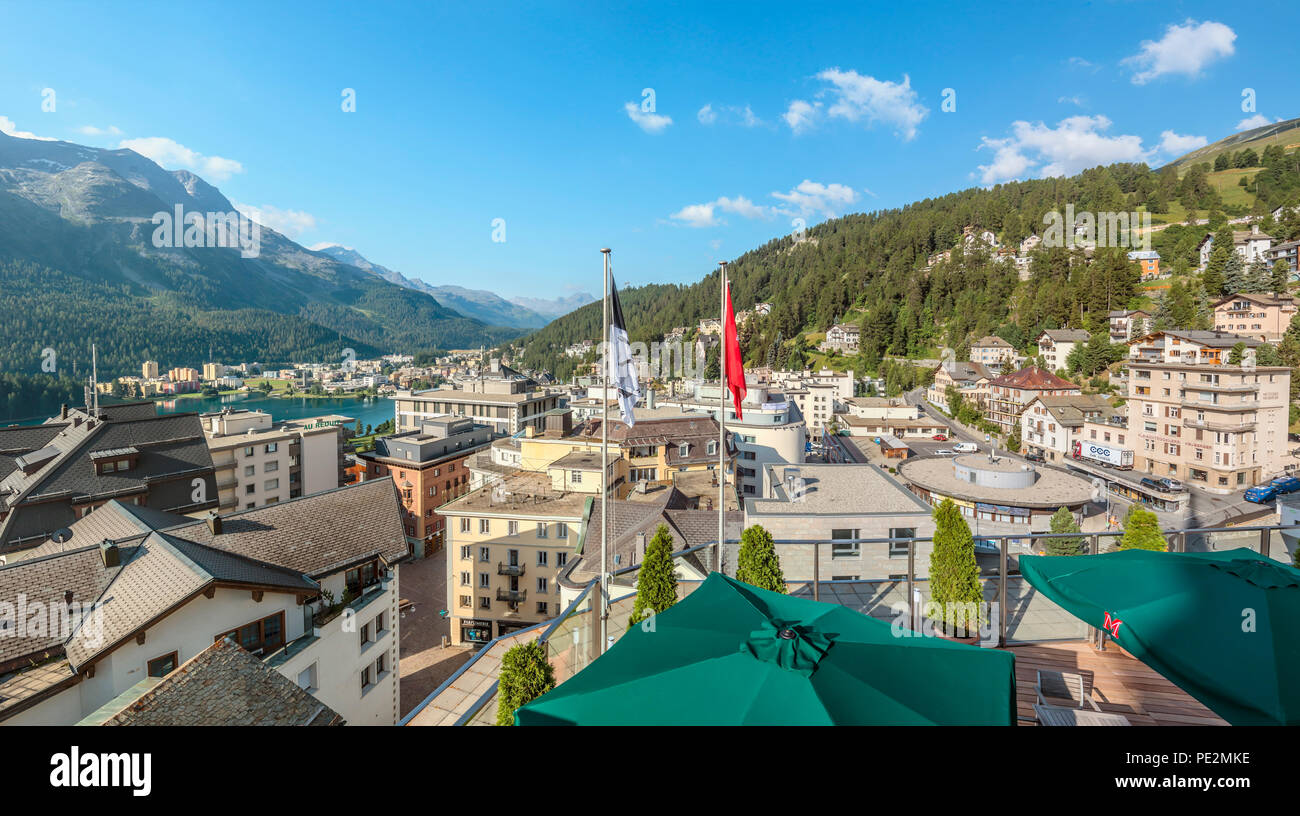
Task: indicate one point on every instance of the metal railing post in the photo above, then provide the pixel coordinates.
(1002, 592)
(1094, 548)
(817, 570)
(911, 578)
(1265, 538)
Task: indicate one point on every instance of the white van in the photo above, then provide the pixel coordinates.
(966, 447)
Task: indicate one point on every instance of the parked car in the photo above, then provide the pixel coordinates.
(944, 452)
(1172, 485)
(1261, 494)
(1034, 456)
(939, 438)
(966, 447)
(1286, 484)
(1154, 484)
(986, 545)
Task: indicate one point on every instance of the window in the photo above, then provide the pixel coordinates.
(365, 634)
(844, 550)
(484, 554)
(485, 526)
(260, 635)
(307, 678)
(712, 447)
(512, 527)
(466, 601)
(561, 558)
(366, 680)
(465, 552)
(249, 489)
(541, 585)
(381, 666)
(484, 581)
(464, 525)
(271, 467)
(248, 451)
(272, 484)
(250, 470)
(900, 547)
(464, 578)
(541, 529)
(541, 607)
(542, 558)
(484, 602)
(272, 447)
(162, 666)
(561, 530)
(575, 476)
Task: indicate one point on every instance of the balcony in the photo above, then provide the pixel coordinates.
(1219, 427)
(1241, 388)
(513, 596)
(513, 570)
(1252, 405)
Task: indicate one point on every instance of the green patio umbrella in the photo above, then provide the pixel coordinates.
(732, 654)
(1222, 626)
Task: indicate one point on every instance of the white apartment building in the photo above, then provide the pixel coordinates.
(1056, 345)
(309, 587)
(1249, 244)
(259, 462)
(1052, 424)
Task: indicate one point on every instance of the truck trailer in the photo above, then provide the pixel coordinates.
(1104, 454)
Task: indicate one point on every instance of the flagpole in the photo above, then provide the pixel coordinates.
(604, 467)
(722, 414)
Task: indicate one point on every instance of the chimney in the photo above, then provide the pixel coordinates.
(63, 411)
(68, 595)
(650, 399)
(108, 550)
(214, 522)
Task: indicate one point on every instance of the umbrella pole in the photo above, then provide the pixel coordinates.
(604, 472)
(722, 412)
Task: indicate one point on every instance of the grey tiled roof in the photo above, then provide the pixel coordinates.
(111, 521)
(316, 534)
(45, 581)
(224, 685)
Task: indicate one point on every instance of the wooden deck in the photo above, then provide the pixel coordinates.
(1118, 682)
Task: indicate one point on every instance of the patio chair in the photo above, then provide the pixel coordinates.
(1063, 686)
(1052, 715)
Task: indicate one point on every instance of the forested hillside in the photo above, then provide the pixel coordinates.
(872, 268)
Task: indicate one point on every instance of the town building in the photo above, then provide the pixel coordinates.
(1055, 346)
(879, 408)
(990, 351)
(1287, 254)
(1148, 261)
(1010, 393)
(184, 374)
(1190, 347)
(842, 338)
(149, 370)
(999, 496)
(506, 543)
(1125, 324)
(1210, 424)
(970, 379)
(819, 505)
(57, 472)
(308, 587)
(506, 406)
(1249, 244)
(213, 371)
(1258, 316)
(429, 468)
(1052, 424)
(259, 462)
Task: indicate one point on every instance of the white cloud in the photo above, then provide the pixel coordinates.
(728, 114)
(649, 121)
(291, 223)
(1184, 49)
(1075, 144)
(1252, 122)
(326, 245)
(707, 115)
(91, 130)
(7, 126)
(814, 198)
(705, 215)
(857, 97)
(1175, 144)
(175, 156)
(747, 117)
(1080, 62)
(801, 115)
(1077, 101)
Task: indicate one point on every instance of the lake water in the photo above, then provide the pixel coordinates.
(369, 410)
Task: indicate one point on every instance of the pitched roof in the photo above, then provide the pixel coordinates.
(111, 521)
(221, 685)
(316, 534)
(962, 371)
(1067, 335)
(46, 581)
(160, 571)
(1264, 299)
(991, 340)
(1073, 409)
(1033, 378)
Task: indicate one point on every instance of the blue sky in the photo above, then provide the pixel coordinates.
(466, 114)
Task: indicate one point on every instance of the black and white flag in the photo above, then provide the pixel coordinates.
(621, 368)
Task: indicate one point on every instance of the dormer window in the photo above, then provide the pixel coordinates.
(712, 447)
(683, 449)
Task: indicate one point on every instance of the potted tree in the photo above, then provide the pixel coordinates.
(758, 564)
(957, 598)
(526, 674)
(656, 581)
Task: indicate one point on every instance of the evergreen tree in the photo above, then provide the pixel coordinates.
(1236, 278)
(1236, 353)
(526, 674)
(1278, 277)
(1063, 522)
(757, 564)
(656, 581)
(954, 573)
(1142, 531)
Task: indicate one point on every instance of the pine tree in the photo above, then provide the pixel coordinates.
(1063, 522)
(757, 564)
(1236, 353)
(526, 674)
(1142, 531)
(954, 573)
(1236, 278)
(1279, 277)
(656, 581)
